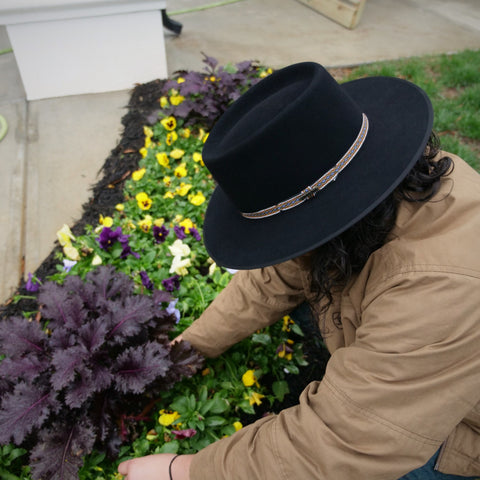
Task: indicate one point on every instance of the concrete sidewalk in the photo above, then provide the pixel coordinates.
(55, 147)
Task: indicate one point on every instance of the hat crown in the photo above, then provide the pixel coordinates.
(281, 136)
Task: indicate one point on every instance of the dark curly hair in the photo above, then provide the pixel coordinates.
(334, 262)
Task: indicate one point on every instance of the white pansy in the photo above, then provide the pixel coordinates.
(179, 249)
(179, 266)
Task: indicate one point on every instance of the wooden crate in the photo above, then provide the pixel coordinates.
(344, 12)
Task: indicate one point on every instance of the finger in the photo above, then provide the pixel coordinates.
(123, 467)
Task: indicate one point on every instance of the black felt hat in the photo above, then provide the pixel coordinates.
(299, 159)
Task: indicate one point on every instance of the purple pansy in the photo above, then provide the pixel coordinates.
(181, 434)
(195, 234)
(179, 232)
(172, 283)
(146, 282)
(108, 237)
(160, 233)
(68, 264)
(171, 310)
(32, 284)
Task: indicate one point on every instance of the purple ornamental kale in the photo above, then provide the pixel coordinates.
(172, 283)
(146, 282)
(160, 233)
(179, 232)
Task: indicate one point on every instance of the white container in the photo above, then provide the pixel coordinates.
(64, 47)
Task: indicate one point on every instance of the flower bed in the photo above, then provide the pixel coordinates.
(90, 375)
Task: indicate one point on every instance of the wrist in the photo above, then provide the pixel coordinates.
(180, 467)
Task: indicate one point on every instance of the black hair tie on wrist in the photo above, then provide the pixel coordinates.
(170, 466)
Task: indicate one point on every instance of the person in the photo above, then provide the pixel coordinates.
(338, 195)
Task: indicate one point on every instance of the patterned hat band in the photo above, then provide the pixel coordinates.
(322, 182)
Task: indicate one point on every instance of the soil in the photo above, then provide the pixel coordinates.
(108, 192)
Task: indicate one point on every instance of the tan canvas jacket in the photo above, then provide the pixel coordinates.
(403, 379)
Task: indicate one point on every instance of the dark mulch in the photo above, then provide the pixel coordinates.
(143, 110)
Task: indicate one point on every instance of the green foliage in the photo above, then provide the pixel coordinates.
(453, 84)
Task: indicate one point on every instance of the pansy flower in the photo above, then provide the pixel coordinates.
(144, 201)
(179, 232)
(167, 418)
(172, 283)
(177, 153)
(162, 159)
(183, 189)
(160, 233)
(197, 157)
(169, 123)
(171, 137)
(33, 283)
(182, 434)
(195, 234)
(255, 398)
(181, 171)
(138, 174)
(146, 223)
(197, 199)
(146, 282)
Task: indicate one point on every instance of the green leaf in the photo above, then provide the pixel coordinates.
(263, 338)
(296, 329)
(220, 405)
(169, 447)
(214, 421)
(280, 389)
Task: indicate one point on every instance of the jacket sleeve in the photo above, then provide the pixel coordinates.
(252, 300)
(386, 403)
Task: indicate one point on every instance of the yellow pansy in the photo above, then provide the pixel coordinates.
(143, 152)
(143, 201)
(96, 260)
(287, 321)
(282, 353)
(65, 235)
(151, 435)
(167, 180)
(177, 153)
(169, 123)
(180, 80)
(162, 159)
(158, 222)
(171, 137)
(177, 99)
(169, 195)
(178, 218)
(71, 252)
(147, 131)
(120, 207)
(204, 139)
(185, 133)
(265, 73)
(148, 142)
(163, 102)
(167, 419)
(146, 223)
(197, 157)
(180, 171)
(255, 398)
(237, 426)
(197, 199)
(201, 134)
(105, 221)
(183, 189)
(187, 224)
(138, 174)
(249, 379)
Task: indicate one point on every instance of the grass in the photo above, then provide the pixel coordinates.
(453, 84)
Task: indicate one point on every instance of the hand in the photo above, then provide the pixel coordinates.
(155, 467)
(176, 340)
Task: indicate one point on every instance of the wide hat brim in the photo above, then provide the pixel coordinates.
(400, 119)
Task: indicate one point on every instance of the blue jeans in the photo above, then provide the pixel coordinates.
(427, 472)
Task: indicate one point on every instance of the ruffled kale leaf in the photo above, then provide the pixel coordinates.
(23, 410)
(138, 367)
(19, 337)
(59, 453)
